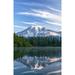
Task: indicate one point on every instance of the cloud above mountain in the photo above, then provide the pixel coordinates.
(37, 12)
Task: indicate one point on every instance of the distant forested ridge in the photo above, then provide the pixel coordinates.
(51, 41)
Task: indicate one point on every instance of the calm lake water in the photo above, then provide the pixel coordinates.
(27, 64)
(38, 65)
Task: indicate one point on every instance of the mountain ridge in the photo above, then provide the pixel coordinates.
(37, 31)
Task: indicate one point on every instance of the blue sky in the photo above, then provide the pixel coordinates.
(46, 13)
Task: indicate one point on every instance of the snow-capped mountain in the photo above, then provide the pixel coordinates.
(36, 30)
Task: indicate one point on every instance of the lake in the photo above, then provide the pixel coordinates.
(37, 51)
(37, 61)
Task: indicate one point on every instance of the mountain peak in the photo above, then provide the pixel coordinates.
(36, 30)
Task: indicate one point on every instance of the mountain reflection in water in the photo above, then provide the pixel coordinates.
(28, 65)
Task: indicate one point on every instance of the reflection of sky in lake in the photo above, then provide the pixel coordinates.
(23, 69)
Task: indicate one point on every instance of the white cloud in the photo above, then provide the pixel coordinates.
(51, 15)
(38, 4)
(18, 26)
(54, 23)
(42, 14)
(56, 10)
(41, 5)
(31, 4)
(48, 15)
(30, 23)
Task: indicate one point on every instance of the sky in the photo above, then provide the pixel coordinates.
(46, 13)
